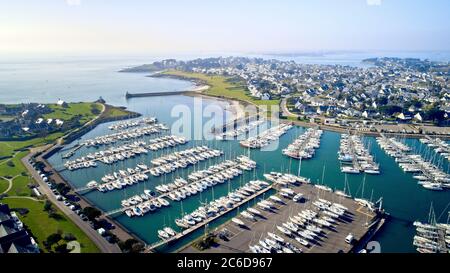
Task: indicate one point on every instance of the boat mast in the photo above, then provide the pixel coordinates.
(299, 167)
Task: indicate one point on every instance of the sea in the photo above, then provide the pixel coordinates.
(74, 79)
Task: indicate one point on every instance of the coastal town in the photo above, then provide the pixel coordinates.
(387, 94)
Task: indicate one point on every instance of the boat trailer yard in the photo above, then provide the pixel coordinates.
(359, 221)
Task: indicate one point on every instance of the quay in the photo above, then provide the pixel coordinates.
(156, 94)
(234, 124)
(359, 221)
(188, 231)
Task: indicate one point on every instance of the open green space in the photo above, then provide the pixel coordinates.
(221, 86)
(42, 225)
(85, 110)
(3, 185)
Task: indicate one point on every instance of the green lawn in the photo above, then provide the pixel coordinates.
(20, 186)
(84, 109)
(18, 168)
(3, 185)
(42, 225)
(115, 112)
(220, 87)
(7, 148)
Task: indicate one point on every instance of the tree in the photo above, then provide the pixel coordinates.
(137, 248)
(91, 213)
(48, 206)
(61, 248)
(62, 188)
(69, 237)
(128, 245)
(53, 239)
(435, 115)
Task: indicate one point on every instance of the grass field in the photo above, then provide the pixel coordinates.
(3, 185)
(38, 221)
(42, 225)
(83, 109)
(115, 112)
(7, 148)
(221, 87)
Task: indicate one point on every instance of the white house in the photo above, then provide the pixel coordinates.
(418, 117)
(59, 122)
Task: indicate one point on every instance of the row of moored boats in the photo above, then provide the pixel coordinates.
(432, 238)
(428, 175)
(132, 123)
(124, 152)
(182, 159)
(355, 157)
(304, 146)
(126, 135)
(203, 214)
(265, 138)
(440, 146)
(199, 181)
(231, 134)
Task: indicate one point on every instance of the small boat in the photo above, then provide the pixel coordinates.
(163, 235)
(238, 222)
(276, 237)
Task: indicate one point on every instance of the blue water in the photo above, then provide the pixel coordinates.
(86, 80)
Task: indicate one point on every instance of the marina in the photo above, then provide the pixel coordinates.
(305, 145)
(167, 190)
(126, 135)
(232, 134)
(402, 195)
(308, 219)
(429, 176)
(267, 137)
(133, 123)
(440, 146)
(180, 189)
(354, 156)
(189, 225)
(124, 152)
(432, 237)
(182, 159)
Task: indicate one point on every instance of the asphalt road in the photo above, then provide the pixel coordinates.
(103, 245)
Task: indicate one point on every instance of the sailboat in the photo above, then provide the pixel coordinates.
(343, 193)
(362, 201)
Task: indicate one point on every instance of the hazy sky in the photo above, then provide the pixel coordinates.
(190, 26)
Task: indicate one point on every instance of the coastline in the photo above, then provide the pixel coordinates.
(238, 105)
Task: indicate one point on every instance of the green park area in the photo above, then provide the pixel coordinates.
(86, 111)
(223, 87)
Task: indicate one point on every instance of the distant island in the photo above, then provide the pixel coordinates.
(153, 67)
